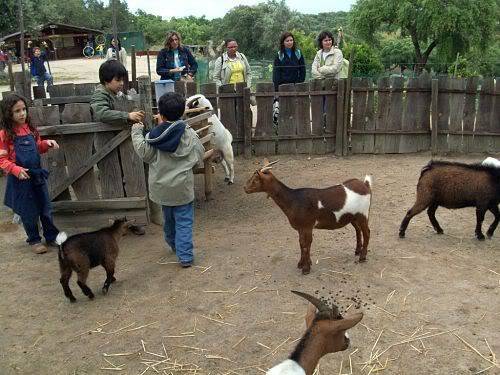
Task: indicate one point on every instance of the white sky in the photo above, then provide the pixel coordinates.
(217, 8)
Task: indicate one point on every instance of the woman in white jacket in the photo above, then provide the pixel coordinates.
(122, 54)
(328, 60)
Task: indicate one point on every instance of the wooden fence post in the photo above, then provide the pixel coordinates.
(347, 114)
(11, 74)
(434, 111)
(341, 97)
(134, 68)
(149, 64)
(145, 103)
(247, 123)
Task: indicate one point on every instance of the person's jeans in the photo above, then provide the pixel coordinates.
(178, 230)
(30, 223)
(45, 77)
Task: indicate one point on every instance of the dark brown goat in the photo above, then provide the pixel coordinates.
(308, 208)
(457, 185)
(84, 251)
(326, 333)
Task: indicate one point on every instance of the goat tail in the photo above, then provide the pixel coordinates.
(426, 168)
(368, 181)
(60, 239)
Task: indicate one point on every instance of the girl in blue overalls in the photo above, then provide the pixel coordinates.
(26, 192)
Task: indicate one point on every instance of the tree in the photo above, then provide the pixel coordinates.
(366, 61)
(306, 43)
(452, 26)
(397, 52)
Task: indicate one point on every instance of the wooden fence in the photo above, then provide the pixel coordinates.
(96, 174)
(445, 115)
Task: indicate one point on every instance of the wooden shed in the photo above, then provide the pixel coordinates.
(64, 41)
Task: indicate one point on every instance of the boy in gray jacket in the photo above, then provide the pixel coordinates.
(172, 149)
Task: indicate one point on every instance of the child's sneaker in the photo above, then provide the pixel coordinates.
(39, 248)
(186, 264)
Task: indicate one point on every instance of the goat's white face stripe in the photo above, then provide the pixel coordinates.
(320, 205)
(354, 204)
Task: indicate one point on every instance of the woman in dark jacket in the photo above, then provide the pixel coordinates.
(175, 61)
(289, 66)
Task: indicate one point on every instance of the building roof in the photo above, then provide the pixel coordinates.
(60, 28)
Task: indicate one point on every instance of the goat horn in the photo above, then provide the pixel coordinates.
(321, 305)
(271, 163)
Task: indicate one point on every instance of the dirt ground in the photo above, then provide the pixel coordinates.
(233, 312)
(83, 70)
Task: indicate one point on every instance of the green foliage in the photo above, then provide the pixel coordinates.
(396, 52)
(366, 60)
(87, 13)
(306, 43)
(454, 26)
(257, 28)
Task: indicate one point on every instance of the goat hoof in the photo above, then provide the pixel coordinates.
(72, 300)
(489, 234)
(480, 237)
(401, 234)
(362, 260)
(305, 271)
(104, 291)
(91, 296)
(227, 179)
(230, 182)
(439, 231)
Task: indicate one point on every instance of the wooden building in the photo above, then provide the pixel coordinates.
(64, 41)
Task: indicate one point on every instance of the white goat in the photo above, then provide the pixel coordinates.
(222, 137)
(326, 333)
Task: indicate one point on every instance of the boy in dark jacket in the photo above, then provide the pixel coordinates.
(111, 75)
(37, 67)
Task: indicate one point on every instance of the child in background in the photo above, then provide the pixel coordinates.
(37, 66)
(172, 149)
(26, 192)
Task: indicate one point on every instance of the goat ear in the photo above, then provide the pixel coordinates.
(348, 322)
(310, 315)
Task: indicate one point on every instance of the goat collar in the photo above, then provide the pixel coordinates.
(287, 367)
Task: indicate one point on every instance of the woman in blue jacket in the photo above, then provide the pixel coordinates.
(175, 62)
(289, 65)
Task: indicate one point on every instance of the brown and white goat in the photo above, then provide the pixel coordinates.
(457, 185)
(307, 208)
(84, 251)
(326, 333)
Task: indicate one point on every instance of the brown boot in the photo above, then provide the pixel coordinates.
(39, 248)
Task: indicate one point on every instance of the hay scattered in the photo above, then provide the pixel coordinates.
(494, 363)
(217, 320)
(239, 342)
(273, 352)
(261, 344)
(251, 290)
(384, 310)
